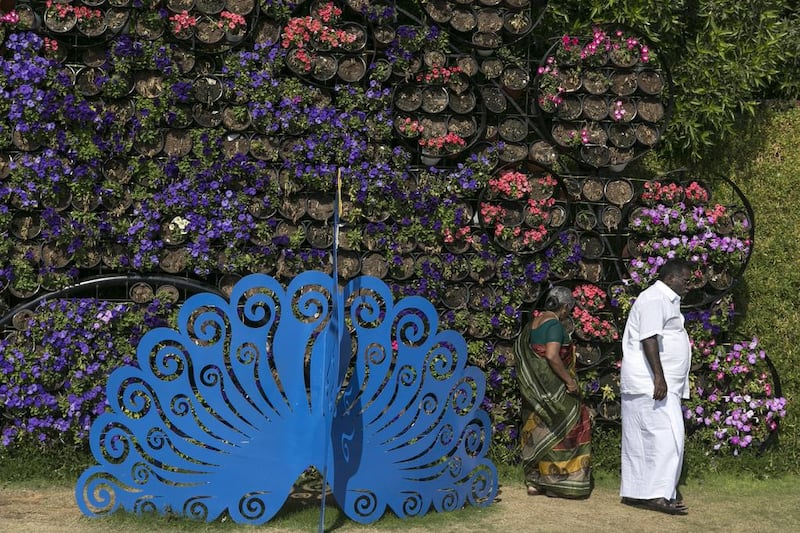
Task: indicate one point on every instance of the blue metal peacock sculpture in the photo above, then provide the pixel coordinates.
(223, 414)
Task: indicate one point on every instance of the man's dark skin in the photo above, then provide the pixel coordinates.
(680, 284)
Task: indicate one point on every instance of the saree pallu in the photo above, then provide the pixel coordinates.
(556, 428)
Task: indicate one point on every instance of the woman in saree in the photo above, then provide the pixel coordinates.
(556, 428)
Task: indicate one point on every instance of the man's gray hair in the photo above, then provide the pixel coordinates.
(557, 297)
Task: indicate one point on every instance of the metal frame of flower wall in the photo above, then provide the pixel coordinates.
(192, 142)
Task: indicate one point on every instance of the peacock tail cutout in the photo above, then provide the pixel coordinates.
(222, 415)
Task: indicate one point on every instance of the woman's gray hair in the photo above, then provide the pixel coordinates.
(557, 297)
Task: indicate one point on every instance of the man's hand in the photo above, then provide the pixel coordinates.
(659, 388)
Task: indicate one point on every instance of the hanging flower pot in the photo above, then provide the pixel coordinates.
(88, 80)
(434, 99)
(174, 260)
(650, 110)
(25, 141)
(439, 11)
(177, 6)
(235, 118)
(619, 191)
(55, 255)
(349, 265)
(515, 80)
(463, 126)
(207, 89)
(494, 99)
(383, 35)
(486, 42)
(650, 81)
(456, 297)
(352, 68)
(571, 107)
(622, 135)
(408, 97)
(489, 20)
(324, 67)
(26, 226)
(207, 116)
(149, 25)
(595, 81)
(463, 19)
(177, 142)
(240, 7)
(208, 31)
(543, 153)
(647, 134)
(319, 236)
(149, 143)
(60, 18)
(557, 216)
(356, 37)
(492, 67)
(622, 109)
(148, 83)
(374, 264)
(516, 25)
(595, 155)
(585, 219)
(91, 22)
(623, 56)
(611, 217)
(595, 107)
(513, 129)
(462, 103)
(209, 7)
(624, 82)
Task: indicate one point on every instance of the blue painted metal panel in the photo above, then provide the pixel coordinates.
(224, 413)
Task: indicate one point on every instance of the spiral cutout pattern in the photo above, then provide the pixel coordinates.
(180, 405)
(211, 376)
(375, 354)
(365, 504)
(464, 395)
(252, 505)
(407, 375)
(259, 307)
(412, 327)
(474, 439)
(115, 442)
(483, 485)
(168, 360)
(196, 508)
(208, 326)
(137, 397)
(157, 438)
(429, 404)
(446, 435)
(443, 361)
(367, 308)
(312, 303)
(140, 473)
(145, 505)
(412, 504)
(449, 500)
(247, 353)
(456, 467)
(99, 494)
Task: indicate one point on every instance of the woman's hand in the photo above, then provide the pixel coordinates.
(572, 386)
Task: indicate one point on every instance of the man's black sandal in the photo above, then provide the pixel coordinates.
(661, 505)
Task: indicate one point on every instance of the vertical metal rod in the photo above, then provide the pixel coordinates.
(334, 335)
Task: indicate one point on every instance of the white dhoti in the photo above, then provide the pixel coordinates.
(652, 446)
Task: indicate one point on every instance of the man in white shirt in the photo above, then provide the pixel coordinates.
(656, 357)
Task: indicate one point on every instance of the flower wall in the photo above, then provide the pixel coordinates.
(153, 148)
